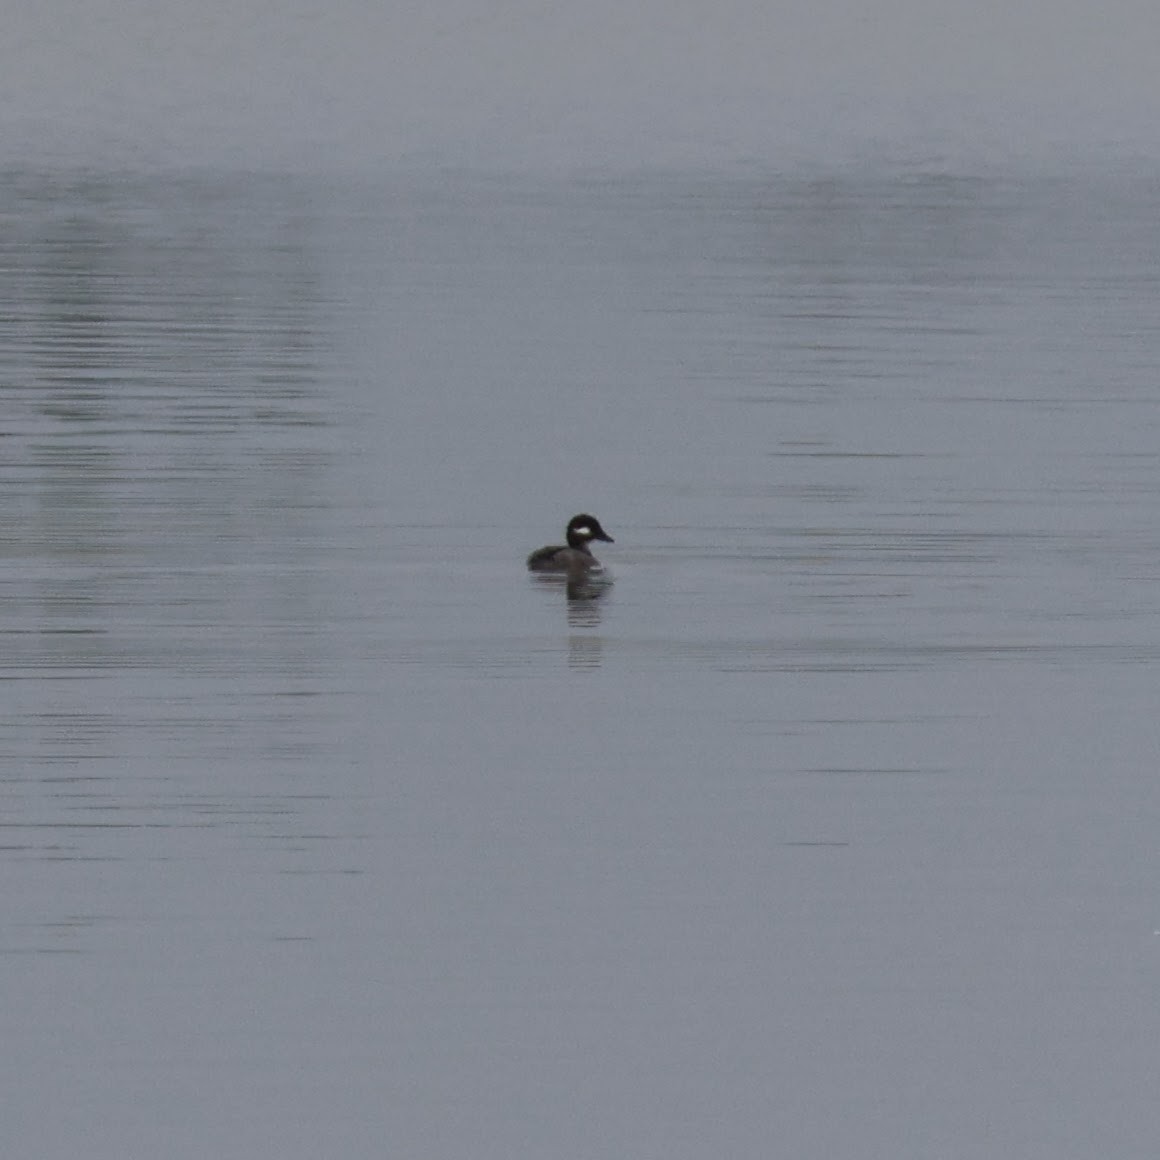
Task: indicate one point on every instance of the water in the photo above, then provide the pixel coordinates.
(829, 829)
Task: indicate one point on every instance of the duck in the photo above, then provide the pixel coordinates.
(575, 557)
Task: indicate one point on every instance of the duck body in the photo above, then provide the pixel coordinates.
(574, 557)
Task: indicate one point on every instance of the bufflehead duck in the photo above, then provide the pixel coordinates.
(576, 557)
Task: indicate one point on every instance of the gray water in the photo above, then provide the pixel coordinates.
(829, 828)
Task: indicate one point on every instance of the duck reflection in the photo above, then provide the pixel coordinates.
(584, 599)
(584, 595)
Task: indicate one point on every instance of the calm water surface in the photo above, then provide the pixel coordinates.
(828, 829)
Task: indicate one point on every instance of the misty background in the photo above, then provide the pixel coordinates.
(529, 84)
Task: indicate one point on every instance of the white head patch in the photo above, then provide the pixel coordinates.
(583, 530)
